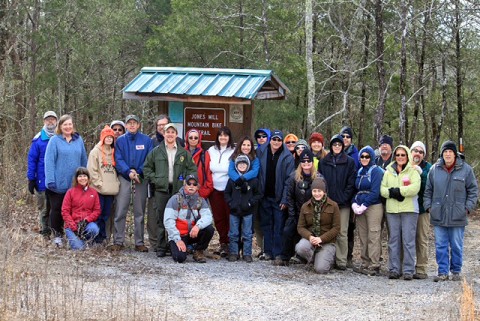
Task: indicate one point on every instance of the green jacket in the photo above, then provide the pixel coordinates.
(155, 168)
(409, 189)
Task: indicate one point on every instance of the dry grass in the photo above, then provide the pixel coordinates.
(467, 302)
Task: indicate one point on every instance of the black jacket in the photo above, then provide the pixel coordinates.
(242, 203)
(297, 194)
(340, 174)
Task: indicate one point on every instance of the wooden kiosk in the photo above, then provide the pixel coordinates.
(207, 98)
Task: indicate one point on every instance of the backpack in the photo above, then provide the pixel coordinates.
(180, 199)
(369, 172)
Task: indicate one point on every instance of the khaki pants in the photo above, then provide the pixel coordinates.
(421, 242)
(342, 239)
(370, 233)
(323, 258)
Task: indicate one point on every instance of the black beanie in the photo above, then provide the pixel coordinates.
(347, 130)
(306, 155)
(449, 145)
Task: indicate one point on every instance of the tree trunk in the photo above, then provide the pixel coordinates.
(458, 58)
(311, 120)
(403, 76)
(363, 95)
(382, 84)
(265, 32)
(436, 142)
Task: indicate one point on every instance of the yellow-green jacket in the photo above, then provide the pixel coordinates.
(408, 180)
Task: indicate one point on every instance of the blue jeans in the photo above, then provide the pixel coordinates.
(449, 241)
(91, 231)
(241, 224)
(106, 202)
(273, 222)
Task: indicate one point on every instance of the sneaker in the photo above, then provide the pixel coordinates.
(265, 257)
(280, 262)
(420, 276)
(115, 247)
(199, 257)
(57, 241)
(248, 258)
(259, 255)
(456, 277)
(359, 269)
(407, 277)
(393, 276)
(141, 248)
(371, 271)
(440, 277)
(232, 257)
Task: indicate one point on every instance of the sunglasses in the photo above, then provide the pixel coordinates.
(300, 147)
(419, 151)
(365, 156)
(193, 137)
(346, 136)
(337, 144)
(276, 139)
(192, 184)
(117, 129)
(305, 161)
(290, 142)
(400, 155)
(261, 136)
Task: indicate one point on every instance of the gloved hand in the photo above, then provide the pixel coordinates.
(32, 186)
(355, 207)
(244, 187)
(239, 181)
(81, 226)
(361, 209)
(394, 193)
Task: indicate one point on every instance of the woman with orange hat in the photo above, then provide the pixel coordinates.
(104, 179)
(291, 140)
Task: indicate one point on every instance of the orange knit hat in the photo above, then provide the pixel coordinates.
(107, 131)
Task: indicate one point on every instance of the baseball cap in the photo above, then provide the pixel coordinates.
(50, 114)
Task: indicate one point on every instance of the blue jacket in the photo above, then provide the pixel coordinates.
(131, 150)
(340, 173)
(352, 151)
(450, 196)
(251, 174)
(36, 160)
(368, 181)
(62, 159)
(285, 167)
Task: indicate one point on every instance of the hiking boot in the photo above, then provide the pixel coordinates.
(265, 257)
(232, 257)
(280, 262)
(161, 253)
(141, 248)
(393, 276)
(456, 277)
(350, 264)
(407, 277)
(359, 269)
(440, 277)
(340, 267)
(420, 276)
(199, 257)
(57, 241)
(115, 247)
(248, 258)
(297, 260)
(224, 250)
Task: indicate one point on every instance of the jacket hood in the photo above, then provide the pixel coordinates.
(193, 130)
(266, 131)
(393, 164)
(337, 138)
(370, 151)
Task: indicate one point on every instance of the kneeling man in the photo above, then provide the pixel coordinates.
(188, 220)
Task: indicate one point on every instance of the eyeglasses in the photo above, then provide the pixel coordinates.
(419, 151)
(193, 137)
(400, 155)
(261, 136)
(290, 142)
(117, 129)
(300, 147)
(192, 184)
(365, 157)
(337, 144)
(276, 139)
(346, 136)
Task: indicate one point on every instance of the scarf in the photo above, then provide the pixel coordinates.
(48, 131)
(317, 213)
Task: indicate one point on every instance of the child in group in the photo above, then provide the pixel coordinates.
(241, 196)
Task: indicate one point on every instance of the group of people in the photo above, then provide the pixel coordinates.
(300, 199)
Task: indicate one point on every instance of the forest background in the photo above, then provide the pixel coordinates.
(406, 68)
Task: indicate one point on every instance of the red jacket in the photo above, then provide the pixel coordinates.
(203, 169)
(80, 204)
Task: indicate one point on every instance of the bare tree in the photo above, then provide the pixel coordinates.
(311, 120)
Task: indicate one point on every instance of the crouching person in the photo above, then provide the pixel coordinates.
(319, 225)
(80, 210)
(188, 221)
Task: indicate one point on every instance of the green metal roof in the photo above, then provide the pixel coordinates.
(172, 83)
